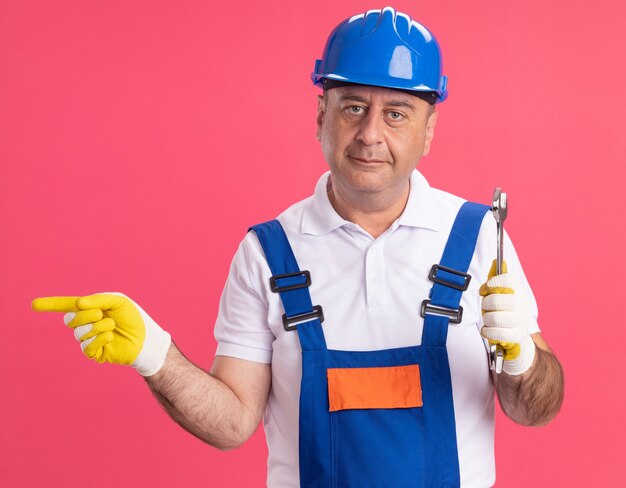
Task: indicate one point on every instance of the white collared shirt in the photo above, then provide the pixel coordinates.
(371, 291)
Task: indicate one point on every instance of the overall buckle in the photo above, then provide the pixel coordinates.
(276, 288)
(454, 314)
(442, 281)
(316, 313)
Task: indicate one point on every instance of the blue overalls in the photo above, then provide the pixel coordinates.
(376, 418)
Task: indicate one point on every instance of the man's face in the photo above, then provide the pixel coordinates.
(373, 138)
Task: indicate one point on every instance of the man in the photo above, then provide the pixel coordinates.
(369, 363)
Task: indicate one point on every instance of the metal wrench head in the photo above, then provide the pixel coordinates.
(498, 205)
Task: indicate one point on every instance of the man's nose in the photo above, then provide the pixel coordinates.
(372, 129)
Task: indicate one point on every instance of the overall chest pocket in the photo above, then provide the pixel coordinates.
(376, 426)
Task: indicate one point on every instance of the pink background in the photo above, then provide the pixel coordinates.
(139, 139)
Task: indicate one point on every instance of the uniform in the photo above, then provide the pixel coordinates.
(370, 291)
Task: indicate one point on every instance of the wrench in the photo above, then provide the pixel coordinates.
(499, 207)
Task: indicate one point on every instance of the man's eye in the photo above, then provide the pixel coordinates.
(355, 109)
(395, 115)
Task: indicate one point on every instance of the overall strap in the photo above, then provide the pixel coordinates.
(292, 285)
(450, 275)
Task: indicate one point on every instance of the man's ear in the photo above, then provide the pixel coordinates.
(321, 110)
(430, 131)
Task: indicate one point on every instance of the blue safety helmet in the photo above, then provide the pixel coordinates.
(382, 48)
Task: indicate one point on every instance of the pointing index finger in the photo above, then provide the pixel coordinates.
(103, 301)
(55, 304)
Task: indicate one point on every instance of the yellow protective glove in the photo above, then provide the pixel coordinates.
(112, 328)
(507, 321)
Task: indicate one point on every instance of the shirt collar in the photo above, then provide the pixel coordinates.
(421, 208)
(320, 217)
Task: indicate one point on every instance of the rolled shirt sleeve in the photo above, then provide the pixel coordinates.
(241, 329)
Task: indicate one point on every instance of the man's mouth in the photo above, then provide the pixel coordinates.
(367, 160)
